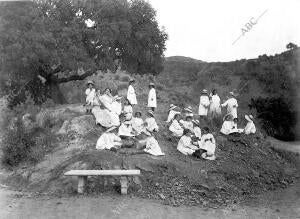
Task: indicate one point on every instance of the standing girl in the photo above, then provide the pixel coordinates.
(152, 97)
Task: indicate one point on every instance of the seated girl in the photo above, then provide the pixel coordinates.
(197, 129)
(227, 126)
(173, 110)
(176, 128)
(185, 144)
(250, 127)
(149, 144)
(117, 105)
(235, 128)
(151, 124)
(208, 145)
(188, 123)
(109, 140)
(126, 130)
(127, 110)
(137, 123)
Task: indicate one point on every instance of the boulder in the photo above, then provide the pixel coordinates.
(82, 125)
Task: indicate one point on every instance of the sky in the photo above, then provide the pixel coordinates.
(217, 30)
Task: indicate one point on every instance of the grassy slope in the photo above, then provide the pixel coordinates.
(244, 166)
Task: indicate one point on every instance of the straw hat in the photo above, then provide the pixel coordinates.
(189, 109)
(132, 80)
(232, 93)
(172, 107)
(196, 121)
(204, 91)
(117, 97)
(249, 117)
(151, 84)
(90, 82)
(151, 112)
(111, 129)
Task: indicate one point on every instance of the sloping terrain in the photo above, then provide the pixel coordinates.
(245, 165)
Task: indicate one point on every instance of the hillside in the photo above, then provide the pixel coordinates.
(245, 166)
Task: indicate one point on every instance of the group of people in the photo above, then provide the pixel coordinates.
(122, 126)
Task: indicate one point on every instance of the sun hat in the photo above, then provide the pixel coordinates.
(196, 121)
(117, 97)
(249, 117)
(127, 122)
(151, 112)
(172, 107)
(90, 82)
(204, 91)
(189, 109)
(151, 84)
(232, 93)
(111, 129)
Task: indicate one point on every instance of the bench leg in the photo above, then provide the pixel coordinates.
(124, 185)
(81, 183)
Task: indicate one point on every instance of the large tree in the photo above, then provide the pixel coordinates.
(47, 42)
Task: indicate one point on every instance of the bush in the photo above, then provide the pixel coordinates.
(16, 145)
(125, 78)
(276, 117)
(117, 77)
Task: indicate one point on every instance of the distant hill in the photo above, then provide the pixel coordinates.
(181, 59)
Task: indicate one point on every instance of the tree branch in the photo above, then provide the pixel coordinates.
(76, 77)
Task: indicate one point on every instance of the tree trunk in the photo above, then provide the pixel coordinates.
(55, 93)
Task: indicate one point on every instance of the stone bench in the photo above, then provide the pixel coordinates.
(83, 174)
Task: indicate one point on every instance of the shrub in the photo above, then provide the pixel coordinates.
(122, 86)
(16, 145)
(117, 77)
(125, 78)
(276, 117)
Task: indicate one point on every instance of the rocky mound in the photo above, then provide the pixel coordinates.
(245, 165)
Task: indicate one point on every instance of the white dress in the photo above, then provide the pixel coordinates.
(151, 124)
(152, 147)
(152, 98)
(197, 132)
(125, 130)
(137, 125)
(131, 96)
(215, 106)
(116, 107)
(171, 115)
(128, 112)
(208, 143)
(90, 96)
(106, 117)
(185, 145)
(232, 106)
(227, 127)
(108, 140)
(250, 128)
(203, 105)
(176, 128)
(187, 125)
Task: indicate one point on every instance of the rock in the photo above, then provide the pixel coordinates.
(82, 125)
(161, 196)
(64, 128)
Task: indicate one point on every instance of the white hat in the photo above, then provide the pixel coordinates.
(189, 109)
(111, 129)
(172, 106)
(90, 82)
(151, 84)
(233, 94)
(196, 121)
(249, 117)
(204, 91)
(151, 112)
(117, 97)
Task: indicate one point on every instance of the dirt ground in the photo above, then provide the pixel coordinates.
(283, 203)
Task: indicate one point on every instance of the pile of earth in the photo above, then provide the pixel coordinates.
(245, 165)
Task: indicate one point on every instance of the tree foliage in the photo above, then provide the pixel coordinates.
(47, 42)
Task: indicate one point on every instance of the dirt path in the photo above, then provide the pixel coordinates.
(279, 204)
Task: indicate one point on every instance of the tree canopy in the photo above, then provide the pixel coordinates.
(47, 42)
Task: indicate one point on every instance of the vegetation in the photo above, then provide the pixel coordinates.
(49, 42)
